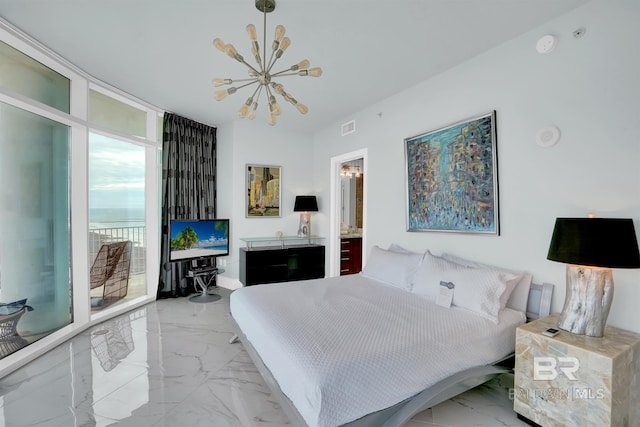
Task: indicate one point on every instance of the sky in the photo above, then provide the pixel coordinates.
(116, 173)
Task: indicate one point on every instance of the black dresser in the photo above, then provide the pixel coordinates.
(271, 264)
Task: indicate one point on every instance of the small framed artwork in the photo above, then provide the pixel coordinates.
(452, 178)
(263, 191)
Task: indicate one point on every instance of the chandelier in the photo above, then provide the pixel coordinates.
(262, 75)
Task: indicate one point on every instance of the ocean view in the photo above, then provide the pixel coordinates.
(116, 217)
(116, 224)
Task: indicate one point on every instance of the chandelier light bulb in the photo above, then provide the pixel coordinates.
(272, 119)
(219, 44)
(243, 111)
(280, 30)
(315, 72)
(232, 52)
(273, 106)
(302, 65)
(222, 94)
(251, 29)
(222, 82)
(285, 43)
(278, 88)
(302, 108)
(252, 113)
(283, 46)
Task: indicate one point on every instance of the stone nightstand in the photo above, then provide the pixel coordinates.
(577, 380)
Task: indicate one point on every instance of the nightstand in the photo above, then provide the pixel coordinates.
(576, 380)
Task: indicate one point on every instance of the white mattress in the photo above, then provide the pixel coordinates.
(343, 347)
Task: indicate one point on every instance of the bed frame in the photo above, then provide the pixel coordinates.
(538, 306)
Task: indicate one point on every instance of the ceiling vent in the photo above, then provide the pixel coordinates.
(349, 127)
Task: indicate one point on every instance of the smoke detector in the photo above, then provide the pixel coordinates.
(546, 43)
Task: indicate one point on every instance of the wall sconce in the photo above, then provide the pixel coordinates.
(305, 205)
(591, 247)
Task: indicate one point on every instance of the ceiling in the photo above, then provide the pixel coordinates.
(161, 50)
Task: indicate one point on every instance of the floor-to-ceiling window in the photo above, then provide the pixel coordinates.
(117, 171)
(78, 172)
(35, 252)
(34, 228)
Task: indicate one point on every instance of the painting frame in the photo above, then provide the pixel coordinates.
(451, 176)
(263, 191)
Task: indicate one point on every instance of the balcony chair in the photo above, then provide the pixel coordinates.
(110, 270)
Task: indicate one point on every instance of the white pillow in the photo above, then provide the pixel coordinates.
(522, 279)
(399, 249)
(476, 289)
(392, 268)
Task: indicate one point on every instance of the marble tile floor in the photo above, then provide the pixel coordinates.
(169, 364)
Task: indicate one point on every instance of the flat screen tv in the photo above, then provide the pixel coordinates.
(196, 239)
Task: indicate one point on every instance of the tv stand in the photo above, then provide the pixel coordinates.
(204, 279)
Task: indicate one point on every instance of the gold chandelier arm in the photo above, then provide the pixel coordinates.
(244, 110)
(221, 94)
(255, 47)
(254, 106)
(222, 82)
(247, 84)
(298, 68)
(248, 65)
(313, 72)
(290, 99)
(274, 108)
(272, 61)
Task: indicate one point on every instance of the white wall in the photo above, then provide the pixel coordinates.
(253, 142)
(588, 87)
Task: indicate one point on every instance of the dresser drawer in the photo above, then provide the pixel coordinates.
(350, 255)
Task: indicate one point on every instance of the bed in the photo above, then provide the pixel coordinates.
(374, 349)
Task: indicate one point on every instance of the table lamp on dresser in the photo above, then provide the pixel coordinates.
(591, 247)
(305, 205)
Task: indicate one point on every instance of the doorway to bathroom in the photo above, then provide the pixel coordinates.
(348, 216)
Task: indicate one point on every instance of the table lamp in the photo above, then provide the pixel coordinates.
(304, 205)
(591, 247)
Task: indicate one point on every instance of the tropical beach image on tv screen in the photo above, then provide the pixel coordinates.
(199, 239)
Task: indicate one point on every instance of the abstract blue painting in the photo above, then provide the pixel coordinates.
(452, 178)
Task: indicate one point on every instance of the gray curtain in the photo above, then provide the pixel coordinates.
(188, 189)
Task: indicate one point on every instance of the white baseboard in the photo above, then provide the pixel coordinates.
(228, 283)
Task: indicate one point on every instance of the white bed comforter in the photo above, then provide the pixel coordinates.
(344, 347)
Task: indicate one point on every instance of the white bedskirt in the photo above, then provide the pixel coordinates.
(343, 347)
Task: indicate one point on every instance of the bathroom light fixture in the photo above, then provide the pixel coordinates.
(350, 170)
(262, 75)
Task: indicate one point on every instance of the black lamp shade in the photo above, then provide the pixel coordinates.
(597, 242)
(306, 204)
